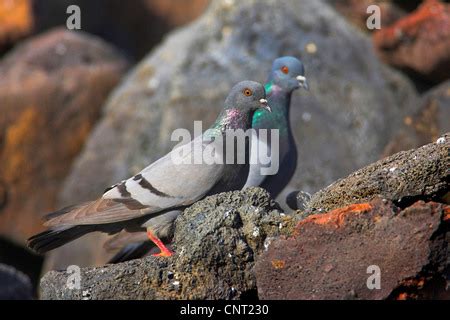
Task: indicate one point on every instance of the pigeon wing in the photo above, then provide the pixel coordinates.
(173, 181)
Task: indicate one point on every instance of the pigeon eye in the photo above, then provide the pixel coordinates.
(285, 69)
(247, 92)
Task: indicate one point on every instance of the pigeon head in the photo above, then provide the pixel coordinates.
(288, 73)
(247, 97)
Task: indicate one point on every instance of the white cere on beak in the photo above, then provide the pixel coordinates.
(265, 104)
(302, 82)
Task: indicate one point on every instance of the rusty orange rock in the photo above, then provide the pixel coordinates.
(16, 20)
(51, 90)
(402, 296)
(278, 264)
(446, 213)
(420, 42)
(335, 218)
(176, 12)
(408, 246)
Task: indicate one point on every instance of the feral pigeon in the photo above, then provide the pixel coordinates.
(173, 182)
(287, 75)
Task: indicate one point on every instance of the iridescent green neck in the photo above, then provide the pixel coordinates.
(268, 87)
(279, 101)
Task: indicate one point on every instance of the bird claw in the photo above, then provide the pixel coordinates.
(166, 254)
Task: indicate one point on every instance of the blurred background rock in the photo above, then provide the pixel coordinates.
(81, 110)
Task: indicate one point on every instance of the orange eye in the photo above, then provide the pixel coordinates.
(247, 92)
(285, 69)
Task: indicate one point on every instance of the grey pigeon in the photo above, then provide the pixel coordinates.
(287, 74)
(173, 182)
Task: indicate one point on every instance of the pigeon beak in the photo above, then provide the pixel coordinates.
(302, 82)
(265, 105)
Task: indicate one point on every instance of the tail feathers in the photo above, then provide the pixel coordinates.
(56, 237)
(132, 251)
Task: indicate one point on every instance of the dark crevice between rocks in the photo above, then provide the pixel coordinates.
(407, 201)
(122, 35)
(22, 259)
(433, 288)
(249, 295)
(409, 5)
(420, 82)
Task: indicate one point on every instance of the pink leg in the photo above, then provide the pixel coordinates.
(164, 251)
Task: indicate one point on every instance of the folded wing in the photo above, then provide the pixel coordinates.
(173, 181)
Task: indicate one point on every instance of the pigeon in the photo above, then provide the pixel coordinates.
(173, 182)
(287, 74)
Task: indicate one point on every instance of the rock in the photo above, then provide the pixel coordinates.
(16, 21)
(216, 242)
(14, 284)
(404, 177)
(225, 242)
(143, 23)
(343, 122)
(356, 11)
(23, 260)
(298, 200)
(338, 255)
(420, 42)
(425, 125)
(52, 88)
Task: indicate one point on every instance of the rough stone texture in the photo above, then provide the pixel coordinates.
(225, 242)
(419, 42)
(344, 121)
(135, 26)
(216, 242)
(16, 21)
(329, 254)
(52, 88)
(404, 177)
(427, 124)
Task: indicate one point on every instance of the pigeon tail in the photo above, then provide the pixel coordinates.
(56, 237)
